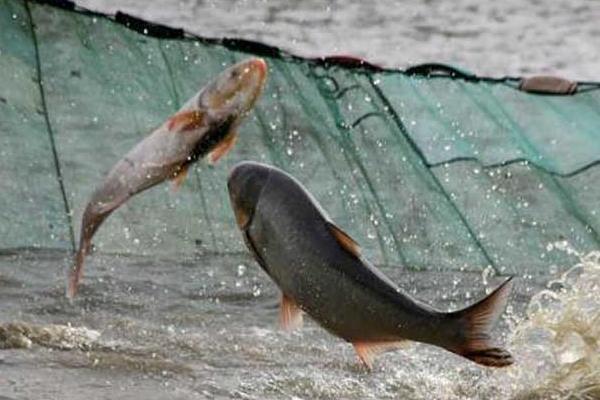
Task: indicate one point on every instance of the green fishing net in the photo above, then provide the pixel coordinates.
(425, 171)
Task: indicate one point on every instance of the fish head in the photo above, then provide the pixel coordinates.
(235, 90)
(245, 184)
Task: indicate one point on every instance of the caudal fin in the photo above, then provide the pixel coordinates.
(76, 272)
(476, 323)
(95, 213)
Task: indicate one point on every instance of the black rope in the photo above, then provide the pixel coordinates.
(59, 176)
(159, 31)
(514, 161)
(345, 90)
(332, 89)
(148, 28)
(429, 69)
(365, 116)
(417, 150)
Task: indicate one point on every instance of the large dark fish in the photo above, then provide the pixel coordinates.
(320, 271)
(205, 125)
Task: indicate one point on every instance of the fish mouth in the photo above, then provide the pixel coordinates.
(261, 66)
(243, 218)
(243, 191)
(261, 69)
(238, 88)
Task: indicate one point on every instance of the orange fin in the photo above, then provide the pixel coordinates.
(185, 121)
(179, 177)
(367, 351)
(241, 216)
(223, 147)
(344, 240)
(76, 272)
(477, 322)
(290, 315)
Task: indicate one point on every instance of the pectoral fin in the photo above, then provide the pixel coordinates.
(368, 351)
(223, 147)
(344, 240)
(179, 177)
(241, 216)
(290, 315)
(185, 121)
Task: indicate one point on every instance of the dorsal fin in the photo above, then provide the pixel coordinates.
(185, 121)
(344, 240)
(477, 322)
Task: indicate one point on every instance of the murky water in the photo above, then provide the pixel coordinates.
(206, 328)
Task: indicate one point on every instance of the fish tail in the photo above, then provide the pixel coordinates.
(75, 275)
(476, 323)
(76, 271)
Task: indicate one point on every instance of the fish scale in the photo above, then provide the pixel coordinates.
(320, 271)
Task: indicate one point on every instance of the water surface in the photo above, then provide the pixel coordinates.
(206, 328)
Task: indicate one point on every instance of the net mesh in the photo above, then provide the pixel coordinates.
(424, 172)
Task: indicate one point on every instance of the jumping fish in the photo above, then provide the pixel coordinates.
(205, 125)
(320, 271)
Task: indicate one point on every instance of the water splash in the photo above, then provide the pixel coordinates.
(208, 334)
(558, 344)
(21, 335)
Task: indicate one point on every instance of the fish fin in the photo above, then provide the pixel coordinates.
(290, 315)
(490, 357)
(179, 177)
(344, 240)
(223, 147)
(241, 216)
(367, 351)
(477, 322)
(76, 272)
(185, 121)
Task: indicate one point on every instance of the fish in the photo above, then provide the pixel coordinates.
(205, 126)
(321, 272)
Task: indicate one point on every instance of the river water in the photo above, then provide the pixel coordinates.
(206, 328)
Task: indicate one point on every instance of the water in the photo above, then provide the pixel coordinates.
(494, 38)
(206, 328)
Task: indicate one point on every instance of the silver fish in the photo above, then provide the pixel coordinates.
(320, 271)
(205, 125)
